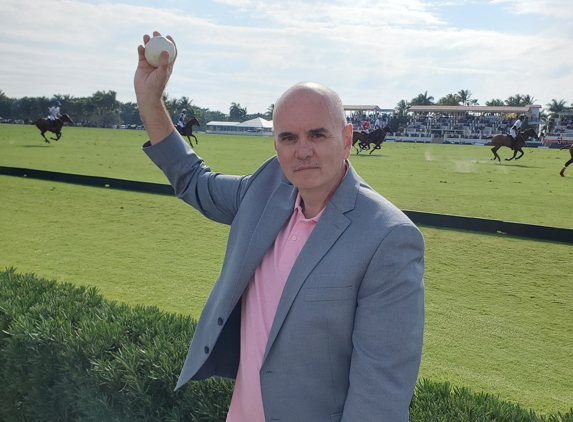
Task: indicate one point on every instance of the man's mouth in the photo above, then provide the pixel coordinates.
(305, 166)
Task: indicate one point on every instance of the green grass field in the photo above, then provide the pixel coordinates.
(449, 179)
(499, 310)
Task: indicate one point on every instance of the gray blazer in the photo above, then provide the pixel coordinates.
(346, 341)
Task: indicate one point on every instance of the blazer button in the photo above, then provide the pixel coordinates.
(206, 349)
(220, 321)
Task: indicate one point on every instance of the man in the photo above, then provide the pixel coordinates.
(54, 113)
(182, 118)
(514, 131)
(318, 310)
(377, 123)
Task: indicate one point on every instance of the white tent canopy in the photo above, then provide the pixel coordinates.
(258, 122)
(257, 126)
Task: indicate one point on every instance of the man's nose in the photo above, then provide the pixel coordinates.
(304, 148)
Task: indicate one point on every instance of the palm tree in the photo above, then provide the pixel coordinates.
(464, 96)
(556, 106)
(449, 100)
(527, 100)
(495, 102)
(422, 99)
(514, 100)
(270, 111)
(236, 112)
(401, 108)
(186, 103)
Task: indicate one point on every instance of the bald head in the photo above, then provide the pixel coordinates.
(301, 91)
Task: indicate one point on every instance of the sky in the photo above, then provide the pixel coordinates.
(375, 52)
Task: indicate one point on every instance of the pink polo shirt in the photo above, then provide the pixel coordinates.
(260, 301)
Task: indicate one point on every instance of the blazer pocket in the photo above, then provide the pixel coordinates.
(317, 294)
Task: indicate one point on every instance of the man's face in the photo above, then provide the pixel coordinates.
(311, 144)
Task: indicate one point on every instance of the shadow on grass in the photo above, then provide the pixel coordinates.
(514, 164)
(370, 155)
(36, 146)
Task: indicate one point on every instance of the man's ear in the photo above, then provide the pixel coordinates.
(348, 129)
(347, 136)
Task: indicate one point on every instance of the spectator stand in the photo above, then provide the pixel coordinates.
(469, 125)
(562, 132)
(357, 114)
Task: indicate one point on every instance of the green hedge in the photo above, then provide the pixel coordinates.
(67, 354)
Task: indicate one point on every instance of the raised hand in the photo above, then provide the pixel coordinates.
(150, 83)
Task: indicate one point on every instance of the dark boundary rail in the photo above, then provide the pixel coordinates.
(484, 225)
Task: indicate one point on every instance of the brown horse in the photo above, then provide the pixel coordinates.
(364, 140)
(54, 126)
(188, 130)
(570, 148)
(502, 140)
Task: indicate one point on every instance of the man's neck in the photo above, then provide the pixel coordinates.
(313, 202)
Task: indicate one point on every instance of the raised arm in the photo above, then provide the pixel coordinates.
(150, 83)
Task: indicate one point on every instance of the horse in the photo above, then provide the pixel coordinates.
(188, 130)
(570, 148)
(54, 126)
(502, 140)
(364, 140)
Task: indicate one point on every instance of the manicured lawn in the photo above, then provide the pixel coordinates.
(450, 179)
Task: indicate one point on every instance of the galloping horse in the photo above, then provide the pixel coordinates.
(54, 126)
(188, 130)
(570, 148)
(502, 140)
(364, 140)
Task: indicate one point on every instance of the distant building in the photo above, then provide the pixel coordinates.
(257, 127)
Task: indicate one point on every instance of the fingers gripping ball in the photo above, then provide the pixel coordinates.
(154, 48)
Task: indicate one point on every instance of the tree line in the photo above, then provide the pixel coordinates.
(464, 97)
(102, 109)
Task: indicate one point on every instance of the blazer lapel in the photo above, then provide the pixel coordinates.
(330, 226)
(278, 210)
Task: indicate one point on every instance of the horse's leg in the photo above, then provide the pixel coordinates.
(189, 140)
(494, 150)
(520, 153)
(562, 172)
(44, 136)
(514, 154)
(59, 135)
(196, 141)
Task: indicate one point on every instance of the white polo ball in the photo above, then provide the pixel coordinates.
(155, 46)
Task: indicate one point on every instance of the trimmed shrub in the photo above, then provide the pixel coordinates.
(68, 354)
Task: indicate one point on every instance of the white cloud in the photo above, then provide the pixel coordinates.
(371, 55)
(558, 9)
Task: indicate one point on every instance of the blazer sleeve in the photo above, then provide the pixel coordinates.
(215, 195)
(388, 330)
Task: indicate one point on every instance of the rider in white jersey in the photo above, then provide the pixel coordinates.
(54, 111)
(182, 118)
(515, 130)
